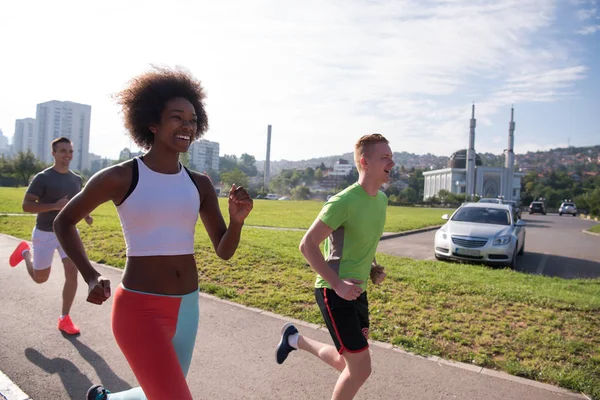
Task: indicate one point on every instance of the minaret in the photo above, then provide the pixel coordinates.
(509, 160)
(267, 175)
(471, 157)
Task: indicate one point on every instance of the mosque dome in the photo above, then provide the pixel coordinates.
(459, 159)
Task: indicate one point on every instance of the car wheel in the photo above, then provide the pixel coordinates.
(520, 253)
(560, 214)
(513, 262)
(574, 214)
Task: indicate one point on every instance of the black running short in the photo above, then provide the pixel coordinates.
(347, 321)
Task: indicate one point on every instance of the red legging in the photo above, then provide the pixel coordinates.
(156, 333)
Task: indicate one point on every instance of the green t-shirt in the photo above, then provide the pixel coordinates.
(357, 220)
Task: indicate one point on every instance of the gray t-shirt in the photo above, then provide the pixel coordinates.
(51, 186)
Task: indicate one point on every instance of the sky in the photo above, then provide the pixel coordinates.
(321, 72)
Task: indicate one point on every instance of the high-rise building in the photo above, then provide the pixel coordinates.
(4, 147)
(3, 141)
(25, 138)
(95, 162)
(127, 154)
(64, 118)
(204, 155)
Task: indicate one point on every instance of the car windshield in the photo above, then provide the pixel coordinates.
(482, 215)
(496, 201)
(568, 205)
(536, 204)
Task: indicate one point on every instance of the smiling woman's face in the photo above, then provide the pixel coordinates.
(177, 127)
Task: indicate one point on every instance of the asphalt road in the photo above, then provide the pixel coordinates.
(554, 246)
(233, 358)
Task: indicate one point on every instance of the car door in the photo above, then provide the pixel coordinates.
(519, 230)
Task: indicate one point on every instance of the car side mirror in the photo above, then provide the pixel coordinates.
(520, 223)
(445, 216)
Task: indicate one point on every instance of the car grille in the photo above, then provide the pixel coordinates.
(468, 257)
(469, 242)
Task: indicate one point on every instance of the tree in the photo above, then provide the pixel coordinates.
(214, 176)
(24, 166)
(235, 176)
(444, 196)
(319, 175)
(286, 180)
(392, 190)
(309, 176)
(247, 164)
(410, 195)
(228, 163)
(184, 158)
(300, 193)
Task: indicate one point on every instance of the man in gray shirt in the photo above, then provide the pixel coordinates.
(49, 191)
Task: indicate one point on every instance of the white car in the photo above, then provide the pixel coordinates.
(490, 200)
(567, 208)
(481, 232)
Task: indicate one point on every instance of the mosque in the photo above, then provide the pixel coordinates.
(465, 173)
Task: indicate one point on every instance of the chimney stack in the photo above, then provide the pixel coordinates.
(471, 157)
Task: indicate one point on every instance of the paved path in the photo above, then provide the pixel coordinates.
(234, 355)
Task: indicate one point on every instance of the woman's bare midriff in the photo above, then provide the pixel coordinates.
(174, 275)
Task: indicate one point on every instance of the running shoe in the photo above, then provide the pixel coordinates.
(284, 348)
(97, 392)
(67, 326)
(17, 255)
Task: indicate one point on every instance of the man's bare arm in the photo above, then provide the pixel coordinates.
(32, 205)
(309, 247)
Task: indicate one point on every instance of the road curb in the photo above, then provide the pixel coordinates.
(590, 233)
(383, 345)
(391, 235)
(386, 235)
(9, 390)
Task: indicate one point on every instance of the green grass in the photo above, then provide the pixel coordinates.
(11, 199)
(301, 214)
(528, 325)
(595, 228)
(281, 214)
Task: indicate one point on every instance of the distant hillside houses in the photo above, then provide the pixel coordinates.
(332, 177)
(541, 161)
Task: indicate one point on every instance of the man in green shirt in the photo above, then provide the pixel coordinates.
(352, 222)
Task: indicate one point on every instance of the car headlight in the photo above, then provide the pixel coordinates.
(442, 235)
(501, 241)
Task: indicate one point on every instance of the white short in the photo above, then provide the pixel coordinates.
(44, 244)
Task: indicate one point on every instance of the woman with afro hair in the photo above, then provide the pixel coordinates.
(155, 308)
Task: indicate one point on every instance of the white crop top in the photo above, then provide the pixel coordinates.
(159, 212)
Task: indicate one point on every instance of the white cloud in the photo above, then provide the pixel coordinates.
(587, 13)
(321, 72)
(588, 30)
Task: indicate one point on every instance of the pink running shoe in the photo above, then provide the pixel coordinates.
(17, 255)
